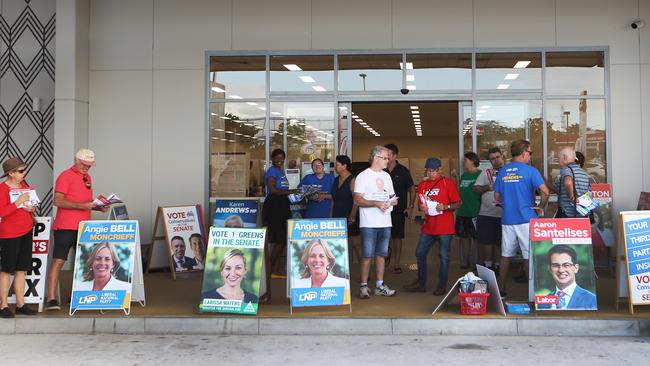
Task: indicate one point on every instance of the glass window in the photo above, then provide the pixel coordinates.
(507, 71)
(305, 131)
(575, 73)
(237, 151)
(500, 122)
(237, 77)
(343, 130)
(467, 128)
(579, 123)
(370, 72)
(302, 73)
(439, 71)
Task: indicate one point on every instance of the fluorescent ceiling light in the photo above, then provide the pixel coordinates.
(359, 120)
(486, 107)
(234, 97)
(261, 108)
(213, 114)
(511, 76)
(415, 107)
(251, 103)
(230, 132)
(409, 65)
(416, 119)
(218, 129)
(218, 89)
(318, 88)
(503, 86)
(410, 87)
(410, 77)
(292, 67)
(521, 64)
(307, 79)
(276, 113)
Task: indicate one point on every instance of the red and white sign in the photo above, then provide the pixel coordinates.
(564, 231)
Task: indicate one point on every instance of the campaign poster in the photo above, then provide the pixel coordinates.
(637, 248)
(319, 269)
(185, 237)
(35, 277)
(236, 212)
(602, 229)
(563, 263)
(103, 267)
(231, 280)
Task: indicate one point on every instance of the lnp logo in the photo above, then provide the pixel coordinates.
(307, 296)
(88, 299)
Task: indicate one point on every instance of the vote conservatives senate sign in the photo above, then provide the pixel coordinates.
(318, 254)
(637, 247)
(104, 263)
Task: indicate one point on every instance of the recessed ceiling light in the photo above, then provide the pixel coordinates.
(234, 97)
(261, 108)
(218, 129)
(318, 88)
(521, 64)
(213, 114)
(292, 67)
(409, 65)
(415, 107)
(276, 113)
(503, 86)
(218, 89)
(416, 119)
(410, 77)
(224, 117)
(511, 76)
(307, 79)
(359, 120)
(251, 103)
(230, 132)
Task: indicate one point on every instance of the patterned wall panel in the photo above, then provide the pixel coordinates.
(27, 29)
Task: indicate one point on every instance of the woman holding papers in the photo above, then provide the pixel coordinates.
(319, 204)
(318, 261)
(438, 198)
(99, 271)
(16, 224)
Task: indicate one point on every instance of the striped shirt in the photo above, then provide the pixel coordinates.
(580, 182)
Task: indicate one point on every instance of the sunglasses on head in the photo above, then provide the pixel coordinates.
(87, 182)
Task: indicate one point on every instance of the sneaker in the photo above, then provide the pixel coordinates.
(25, 310)
(52, 305)
(364, 292)
(414, 287)
(384, 290)
(6, 313)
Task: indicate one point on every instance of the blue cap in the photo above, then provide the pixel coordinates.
(432, 163)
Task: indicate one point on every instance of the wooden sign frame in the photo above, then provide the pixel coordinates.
(156, 238)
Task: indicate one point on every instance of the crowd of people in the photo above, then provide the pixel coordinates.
(488, 210)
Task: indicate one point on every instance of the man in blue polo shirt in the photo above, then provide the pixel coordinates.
(514, 189)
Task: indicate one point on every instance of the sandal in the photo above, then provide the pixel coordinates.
(397, 270)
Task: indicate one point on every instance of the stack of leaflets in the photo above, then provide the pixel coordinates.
(14, 194)
(102, 201)
(305, 191)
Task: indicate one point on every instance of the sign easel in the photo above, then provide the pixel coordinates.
(118, 212)
(181, 227)
(633, 252)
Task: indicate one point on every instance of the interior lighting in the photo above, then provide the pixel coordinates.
(503, 86)
(409, 66)
(233, 96)
(415, 107)
(224, 117)
(251, 103)
(261, 108)
(521, 64)
(410, 77)
(218, 89)
(511, 76)
(292, 67)
(318, 88)
(307, 79)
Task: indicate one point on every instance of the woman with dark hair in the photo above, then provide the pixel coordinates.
(343, 202)
(276, 209)
(467, 213)
(319, 205)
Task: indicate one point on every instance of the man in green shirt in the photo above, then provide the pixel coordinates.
(466, 214)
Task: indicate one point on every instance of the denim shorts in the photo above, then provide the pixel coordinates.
(374, 241)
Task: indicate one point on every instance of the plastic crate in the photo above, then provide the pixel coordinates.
(473, 304)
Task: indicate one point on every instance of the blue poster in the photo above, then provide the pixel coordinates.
(104, 262)
(319, 268)
(237, 212)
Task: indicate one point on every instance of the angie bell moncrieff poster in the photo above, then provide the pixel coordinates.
(231, 279)
(563, 264)
(318, 253)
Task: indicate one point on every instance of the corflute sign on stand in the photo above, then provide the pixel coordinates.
(236, 212)
(318, 253)
(563, 264)
(637, 249)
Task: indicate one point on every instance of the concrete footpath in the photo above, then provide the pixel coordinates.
(103, 349)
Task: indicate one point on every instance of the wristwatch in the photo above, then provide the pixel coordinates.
(448, 207)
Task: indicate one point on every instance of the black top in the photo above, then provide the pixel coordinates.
(214, 294)
(342, 198)
(402, 182)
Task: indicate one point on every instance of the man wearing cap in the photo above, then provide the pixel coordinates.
(73, 197)
(438, 197)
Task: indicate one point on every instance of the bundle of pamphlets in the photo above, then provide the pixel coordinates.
(15, 193)
(471, 284)
(305, 191)
(102, 201)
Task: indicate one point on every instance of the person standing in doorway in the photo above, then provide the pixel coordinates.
(319, 205)
(405, 191)
(73, 197)
(514, 189)
(467, 212)
(375, 196)
(488, 221)
(343, 202)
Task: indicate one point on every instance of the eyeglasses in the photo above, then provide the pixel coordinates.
(87, 182)
(21, 171)
(382, 157)
(566, 265)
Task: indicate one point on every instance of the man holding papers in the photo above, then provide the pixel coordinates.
(438, 198)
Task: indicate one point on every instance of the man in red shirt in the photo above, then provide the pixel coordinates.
(438, 198)
(73, 197)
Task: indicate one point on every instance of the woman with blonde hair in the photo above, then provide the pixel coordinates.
(318, 261)
(233, 269)
(100, 268)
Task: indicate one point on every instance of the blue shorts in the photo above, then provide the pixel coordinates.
(374, 241)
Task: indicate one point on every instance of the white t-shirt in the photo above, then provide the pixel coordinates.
(375, 186)
(488, 207)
